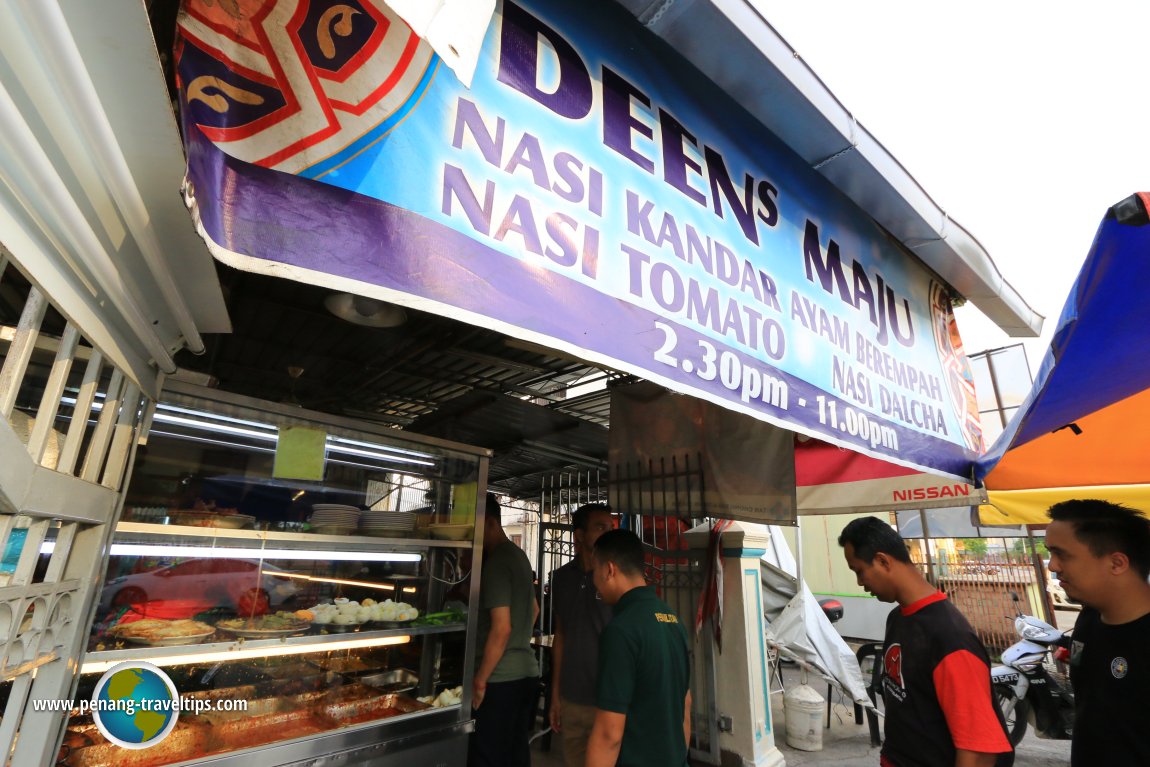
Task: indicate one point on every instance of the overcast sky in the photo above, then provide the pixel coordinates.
(1023, 120)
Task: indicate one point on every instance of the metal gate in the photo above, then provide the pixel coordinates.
(981, 586)
(659, 502)
(69, 424)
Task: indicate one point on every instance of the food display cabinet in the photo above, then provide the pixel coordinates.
(303, 581)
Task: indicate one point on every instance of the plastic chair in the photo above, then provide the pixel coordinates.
(873, 651)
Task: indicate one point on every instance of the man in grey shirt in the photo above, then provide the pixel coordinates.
(580, 614)
(506, 673)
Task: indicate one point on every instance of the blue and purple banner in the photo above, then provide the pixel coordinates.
(590, 192)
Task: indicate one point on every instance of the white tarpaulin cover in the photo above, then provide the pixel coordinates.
(797, 624)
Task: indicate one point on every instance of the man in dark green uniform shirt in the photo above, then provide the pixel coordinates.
(643, 697)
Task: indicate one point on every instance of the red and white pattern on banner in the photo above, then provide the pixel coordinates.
(955, 365)
(834, 480)
(328, 104)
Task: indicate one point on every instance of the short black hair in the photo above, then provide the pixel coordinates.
(494, 509)
(1106, 528)
(622, 548)
(870, 535)
(582, 515)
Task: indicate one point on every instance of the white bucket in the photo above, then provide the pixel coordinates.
(804, 709)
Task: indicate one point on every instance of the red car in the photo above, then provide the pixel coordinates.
(199, 584)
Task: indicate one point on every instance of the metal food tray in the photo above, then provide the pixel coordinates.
(286, 670)
(256, 710)
(317, 680)
(356, 702)
(239, 692)
(345, 665)
(247, 734)
(261, 714)
(188, 737)
(308, 680)
(349, 711)
(395, 680)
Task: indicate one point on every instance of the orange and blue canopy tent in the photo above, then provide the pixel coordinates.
(1082, 432)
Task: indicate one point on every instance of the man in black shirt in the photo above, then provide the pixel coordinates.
(580, 615)
(936, 674)
(1100, 552)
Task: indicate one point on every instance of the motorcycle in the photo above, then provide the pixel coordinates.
(1026, 690)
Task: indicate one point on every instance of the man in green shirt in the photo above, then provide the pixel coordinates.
(643, 696)
(506, 673)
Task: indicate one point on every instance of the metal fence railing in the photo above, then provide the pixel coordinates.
(70, 421)
(982, 588)
(659, 501)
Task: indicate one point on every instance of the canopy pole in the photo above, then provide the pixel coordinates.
(1040, 572)
(799, 555)
(926, 546)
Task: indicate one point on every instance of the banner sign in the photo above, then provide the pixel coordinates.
(590, 192)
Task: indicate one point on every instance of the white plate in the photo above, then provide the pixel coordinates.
(254, 633)
(336, 628)
(167, 641)
(390, 624)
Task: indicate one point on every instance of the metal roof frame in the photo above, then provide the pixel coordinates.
(90, 204)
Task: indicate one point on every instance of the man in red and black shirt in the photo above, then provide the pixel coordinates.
(936, 674)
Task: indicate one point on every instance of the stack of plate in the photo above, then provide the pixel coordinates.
(386, 523)
(334, 518)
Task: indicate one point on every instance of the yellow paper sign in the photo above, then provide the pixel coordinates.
(300, 453)
(463, 503)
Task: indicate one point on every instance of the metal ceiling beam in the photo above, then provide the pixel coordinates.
(493, 361)
(563, 454)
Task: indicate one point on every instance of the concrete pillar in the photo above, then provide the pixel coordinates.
(741, 668)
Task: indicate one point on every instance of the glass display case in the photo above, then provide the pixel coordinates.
(302, 580)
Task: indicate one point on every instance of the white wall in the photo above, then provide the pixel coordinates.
(826, 573)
